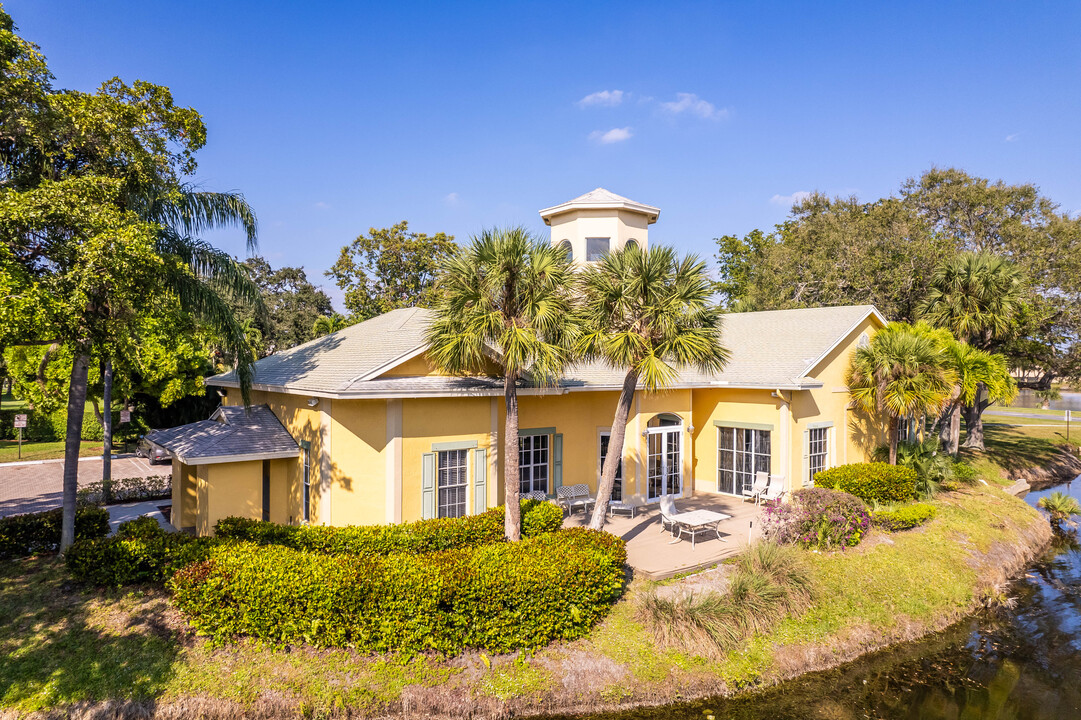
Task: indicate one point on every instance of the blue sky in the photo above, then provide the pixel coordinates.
(334, 117)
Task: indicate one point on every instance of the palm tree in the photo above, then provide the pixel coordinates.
(976, 370)
(1059, 506)
(901, 373)
(976, 296)
(202, 280)
(507, 296)
(327, 324)
(647, 312)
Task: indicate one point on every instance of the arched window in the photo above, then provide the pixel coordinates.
(632, 243)
(864, 340)
(565, 246)
(665, 420)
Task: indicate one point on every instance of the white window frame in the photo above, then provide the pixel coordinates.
(817, 459)
(617, 489)
(531, 466)
(462, 466)
(735, 451)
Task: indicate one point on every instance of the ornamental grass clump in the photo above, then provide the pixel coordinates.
(817, 518)
(768, 583)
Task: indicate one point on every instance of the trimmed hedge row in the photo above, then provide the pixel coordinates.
(424, 536)
(499, 597)
(153, 487)
(904, 518)
(22, 535)
(139, 552)
(871, 482)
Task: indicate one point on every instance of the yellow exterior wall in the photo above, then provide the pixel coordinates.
(185, 496)
(732, 406)
(422, 366)
(231, 489)
(357, 464)
(426, 421)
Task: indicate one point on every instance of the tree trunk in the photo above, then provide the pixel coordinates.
(107, 426)
(512, 524)
(76, 405)
(942, 426)
(893, 430)
(615, 450)
(954, 445)
(974, 419)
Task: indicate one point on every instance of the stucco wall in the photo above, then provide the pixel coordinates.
(185, 497)
(733, 406)
(232, 489)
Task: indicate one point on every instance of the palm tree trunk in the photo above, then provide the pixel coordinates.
(954, 445)
(974, 420)
(512, 524)
(76, 405)
(893, 430)
(107, 426)
(615, 450)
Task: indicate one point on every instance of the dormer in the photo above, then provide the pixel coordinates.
(598, 222)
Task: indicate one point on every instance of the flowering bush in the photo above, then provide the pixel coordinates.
(817, 517)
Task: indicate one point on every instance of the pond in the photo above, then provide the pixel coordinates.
(1027, 399)
(1017, 664)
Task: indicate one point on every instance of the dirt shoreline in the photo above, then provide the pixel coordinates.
(578, 677)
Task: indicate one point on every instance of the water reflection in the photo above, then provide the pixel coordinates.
(1019, 664)
(1027, 399)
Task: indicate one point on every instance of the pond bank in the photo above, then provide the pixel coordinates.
(890, 589)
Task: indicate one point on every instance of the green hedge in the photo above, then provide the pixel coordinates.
(53, 427)
(871, 482)
(424, 536)
(904, 518)
(499, 597)
(22, 535)
(140, 552)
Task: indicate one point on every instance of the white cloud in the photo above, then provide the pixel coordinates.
(790, 200)
(1013, 137)
(451, 199)
(611, 136)
(322, 205)
(694, 105)
(604, 98)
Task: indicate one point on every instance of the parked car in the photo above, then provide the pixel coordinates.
(152, 451)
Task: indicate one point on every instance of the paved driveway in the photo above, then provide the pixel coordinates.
(34, 486)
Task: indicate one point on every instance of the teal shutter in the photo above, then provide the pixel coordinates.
(557, 462)
(480, 480)
(807, 458)
(427, 486)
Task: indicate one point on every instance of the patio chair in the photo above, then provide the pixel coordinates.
(535, 495)
(572, 496)
(761, 480)
(615, 506)
(775, 490)
(668, 511)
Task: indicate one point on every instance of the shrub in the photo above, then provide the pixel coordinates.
(964, 473)
(817, 517)
(768, 582)
(424, 536)
(871, 482)
(904, 517)
(154, 487)
(22, 535)
(498, 597)
(140, 552)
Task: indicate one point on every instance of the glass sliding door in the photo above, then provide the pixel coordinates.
(617, 489)
(741, 453)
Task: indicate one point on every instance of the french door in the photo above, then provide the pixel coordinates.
(664, 462)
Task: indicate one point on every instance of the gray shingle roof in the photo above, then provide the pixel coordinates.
(777, 348)
(601, 198)
(229, 434)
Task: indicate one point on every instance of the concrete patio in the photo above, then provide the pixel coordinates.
(653, 554)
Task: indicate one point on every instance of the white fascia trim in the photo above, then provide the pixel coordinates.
(873, 312)
(218, 459)
(548, 213)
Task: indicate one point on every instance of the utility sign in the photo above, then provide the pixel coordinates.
(125, 416)
(20, 421)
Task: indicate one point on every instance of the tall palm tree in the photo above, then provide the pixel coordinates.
(507, 296)
(647, 312)
(901, 373)
(976, 296)
(201, 278)
(973, 368)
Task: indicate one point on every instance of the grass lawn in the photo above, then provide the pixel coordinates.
(10, 402)
(9, 450)
(1015, 447)
(62, 644)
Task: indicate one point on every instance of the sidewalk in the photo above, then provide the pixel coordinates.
(130, 511)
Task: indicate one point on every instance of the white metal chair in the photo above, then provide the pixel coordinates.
(761, 480)
(668, 510)
(535, 495)
(775, 490)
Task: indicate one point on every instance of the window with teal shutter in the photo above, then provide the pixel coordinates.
(480, 480)
(557, 462)
(427, 486)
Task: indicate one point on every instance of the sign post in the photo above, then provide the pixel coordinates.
(20, 423)
(1068, 413)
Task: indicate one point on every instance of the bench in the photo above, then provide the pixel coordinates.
(572, 496)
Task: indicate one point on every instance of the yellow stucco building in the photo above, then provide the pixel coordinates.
(359, 427)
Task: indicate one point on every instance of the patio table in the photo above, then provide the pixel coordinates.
(697, 521)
